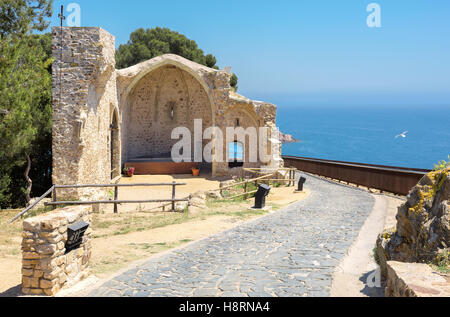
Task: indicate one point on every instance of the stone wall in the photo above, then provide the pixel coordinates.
(84, 97)
(415, 280)
(104, 117)
(164, 99)
(147, 92)
(46, 268)
(422, 231)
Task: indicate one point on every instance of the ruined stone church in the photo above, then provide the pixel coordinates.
(105, 119)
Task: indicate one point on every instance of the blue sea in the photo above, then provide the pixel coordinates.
(366, 134)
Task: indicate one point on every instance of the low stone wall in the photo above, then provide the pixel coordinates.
(415, 280)
(46, 267)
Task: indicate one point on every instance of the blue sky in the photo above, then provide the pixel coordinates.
(308, 51)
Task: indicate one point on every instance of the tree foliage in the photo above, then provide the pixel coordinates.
(25, 98)
(234, 82)
(19, 17)
(147, 44)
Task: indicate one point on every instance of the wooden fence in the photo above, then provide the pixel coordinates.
(115, 201)
(268, 178)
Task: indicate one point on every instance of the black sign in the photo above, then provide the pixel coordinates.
(260, 196)
(301, 182)
(75, 234)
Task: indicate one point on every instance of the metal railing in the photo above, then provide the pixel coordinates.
(397, 180)
(115, 201)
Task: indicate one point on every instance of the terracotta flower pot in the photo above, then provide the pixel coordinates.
(195, 172)
(130, 171)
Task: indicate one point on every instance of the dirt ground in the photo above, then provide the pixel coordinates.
(120, 239)
(193, 185)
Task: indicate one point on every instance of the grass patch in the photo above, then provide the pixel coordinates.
(10, 234)
(375, 255)
(105, 225)
(133, 252)
(37, 212)
(442, 262)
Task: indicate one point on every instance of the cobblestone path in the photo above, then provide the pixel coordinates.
(292, 252)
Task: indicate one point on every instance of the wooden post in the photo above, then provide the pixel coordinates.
(54, 197)
(116, 196)
(173, 196)
(245, 191)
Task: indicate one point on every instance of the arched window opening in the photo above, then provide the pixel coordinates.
(235, 154)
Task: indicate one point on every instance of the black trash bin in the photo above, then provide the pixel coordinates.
(260, 196)
(301, 182)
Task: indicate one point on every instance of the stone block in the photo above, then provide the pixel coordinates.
(53, 223)
(48, 283)
(60, 245)
(52, 291)
(46, 249)
(26, 281)
(27, 272)
(26, 290)
(36, 291)
(34, 282)
(48, 264)
(415, 280)
(53, 274)
(49, 235)
(31, 225)
(30, 256)
(30, 264)
(28, 235)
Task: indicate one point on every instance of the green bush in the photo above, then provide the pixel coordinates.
(442, 165)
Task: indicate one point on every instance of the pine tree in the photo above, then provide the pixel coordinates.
(25, 92)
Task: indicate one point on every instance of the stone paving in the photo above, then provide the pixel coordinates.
(292, 252)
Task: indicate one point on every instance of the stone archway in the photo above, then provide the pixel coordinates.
(164, 98)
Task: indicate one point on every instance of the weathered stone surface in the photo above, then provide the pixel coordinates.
(31, 226)
(48, 283)
(46, 249)
(27, 272)
(31, 256)
(84, 100)
(214, 194)
(197, 202)
(141, 104)
(415, 280)
(423, 224)
(45, 267)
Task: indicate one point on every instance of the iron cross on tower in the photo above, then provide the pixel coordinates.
(61, 15)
